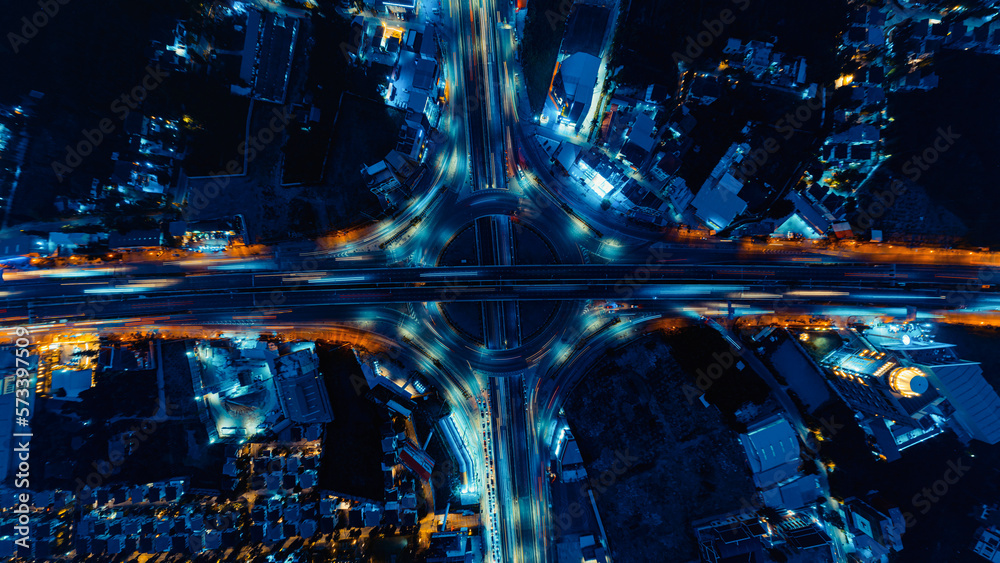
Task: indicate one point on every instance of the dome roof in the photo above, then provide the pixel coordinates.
(908, 381)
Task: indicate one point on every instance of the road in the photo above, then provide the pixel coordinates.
(106, 294)
(286, 300)
(381, 285)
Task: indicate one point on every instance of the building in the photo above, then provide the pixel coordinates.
(718, 201)
(169, 50)
(666, 166)
(804, 536)
(591, 551)
(801, 492)
(416, 460)
(739, 536)
(132, 177)
(875, 533)
(866, 31)
(59, 241)
(641, 139)
(772, 449)
(455, 547)
(987, 544)
(585, 29)
(899, 406)
(424, 74)
(916, 80)
(572, 91)
(759, 59)
(656, 93)
(704, 89)
(909, 388)
(599, 173)
(857, 145)
(15, 250)
(570, 461)
(425, 44)
(132, 240)
(806, 220)
(718, 207)
(269, 48)
(679, 194)
(396, 172)
(460, 451)
(301, 389)
(974, 401)
(402, 9)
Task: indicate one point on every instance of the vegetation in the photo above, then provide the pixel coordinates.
(118, 393)
(781, 208)
(633, 405)
(662, 27)
(80, 78)
(543, 31)
(961, 178)
(704, 353)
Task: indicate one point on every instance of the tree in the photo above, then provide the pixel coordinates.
(781, 208)
(170, 241)
(849, 179)
(777, 555)
(836, 520)
(126, 393)
(605, 204)
(769, 513)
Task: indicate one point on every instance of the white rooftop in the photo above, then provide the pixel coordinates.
(771, 444)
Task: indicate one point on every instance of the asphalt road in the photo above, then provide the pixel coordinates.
(359, 290)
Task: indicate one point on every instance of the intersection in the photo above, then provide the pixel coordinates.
(517, 383)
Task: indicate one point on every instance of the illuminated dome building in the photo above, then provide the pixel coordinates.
(908, 382)
(909, 388)
(973, 404)
(900, 407)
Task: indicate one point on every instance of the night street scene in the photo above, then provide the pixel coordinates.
(500, 281)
